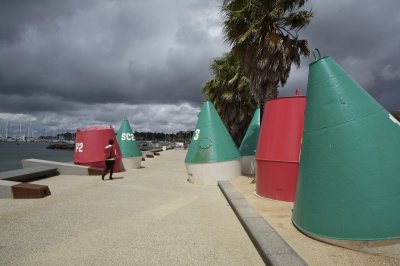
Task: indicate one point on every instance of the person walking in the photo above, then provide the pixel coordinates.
(110, 153)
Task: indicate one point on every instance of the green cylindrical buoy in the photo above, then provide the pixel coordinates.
(248, 146)
(131, 154)
(349, 177)
(212, 154)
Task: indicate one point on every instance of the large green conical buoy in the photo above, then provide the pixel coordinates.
(127, 142)
(211, 141)
(349, 179)
(249, 143)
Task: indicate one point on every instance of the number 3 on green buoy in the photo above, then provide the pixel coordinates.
(196, 134)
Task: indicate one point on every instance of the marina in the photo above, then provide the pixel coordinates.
(199, 133)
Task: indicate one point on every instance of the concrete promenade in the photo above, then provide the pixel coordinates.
(148, 216)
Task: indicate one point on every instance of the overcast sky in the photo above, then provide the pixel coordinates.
(71, 64)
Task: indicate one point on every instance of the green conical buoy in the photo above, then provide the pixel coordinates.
(128, 145)
(248, 146)
(349, 177)
(211, 141)
(211, 149)
(249, 143)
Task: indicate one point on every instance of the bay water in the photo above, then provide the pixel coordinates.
(11, 154)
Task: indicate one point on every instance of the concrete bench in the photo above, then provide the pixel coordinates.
(17, 190)
(155, 150)
(28, 174)
(6, 188)
(63, 168)
(30, 191)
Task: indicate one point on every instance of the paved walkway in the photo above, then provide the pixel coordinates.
(148, 216)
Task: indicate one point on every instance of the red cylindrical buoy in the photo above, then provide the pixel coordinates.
(90, 144)
(278, 150)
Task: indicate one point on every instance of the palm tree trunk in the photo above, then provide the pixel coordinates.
(261, 105)
(269, 95)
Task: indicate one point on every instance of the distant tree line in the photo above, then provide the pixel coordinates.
(180, 136)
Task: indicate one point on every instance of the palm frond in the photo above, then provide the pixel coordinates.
(264, 35)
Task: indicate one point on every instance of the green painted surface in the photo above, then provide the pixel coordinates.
(127, 142)
(211, 141)
(249, 143)
(349, 176)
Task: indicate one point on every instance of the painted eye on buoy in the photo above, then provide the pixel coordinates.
(205, 143)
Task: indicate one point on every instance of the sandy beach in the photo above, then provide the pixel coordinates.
(148, 216)
(278, 214)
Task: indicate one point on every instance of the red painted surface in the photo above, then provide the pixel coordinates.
(277, 180)
(90, 144)
(279, 145)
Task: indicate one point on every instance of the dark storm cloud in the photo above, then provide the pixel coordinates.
(77, 63)
(14, 103)
(363, 37)
(19, 16)
(64, 62)
(109, 51)
(350, 28)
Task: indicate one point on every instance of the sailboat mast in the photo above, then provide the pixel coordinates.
(7, 129)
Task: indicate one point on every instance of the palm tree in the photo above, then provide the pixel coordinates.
(229, 91)
(264, 35)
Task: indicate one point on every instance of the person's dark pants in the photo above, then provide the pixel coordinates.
(109, 167)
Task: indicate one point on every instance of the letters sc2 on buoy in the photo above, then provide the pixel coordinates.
(127, 136)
